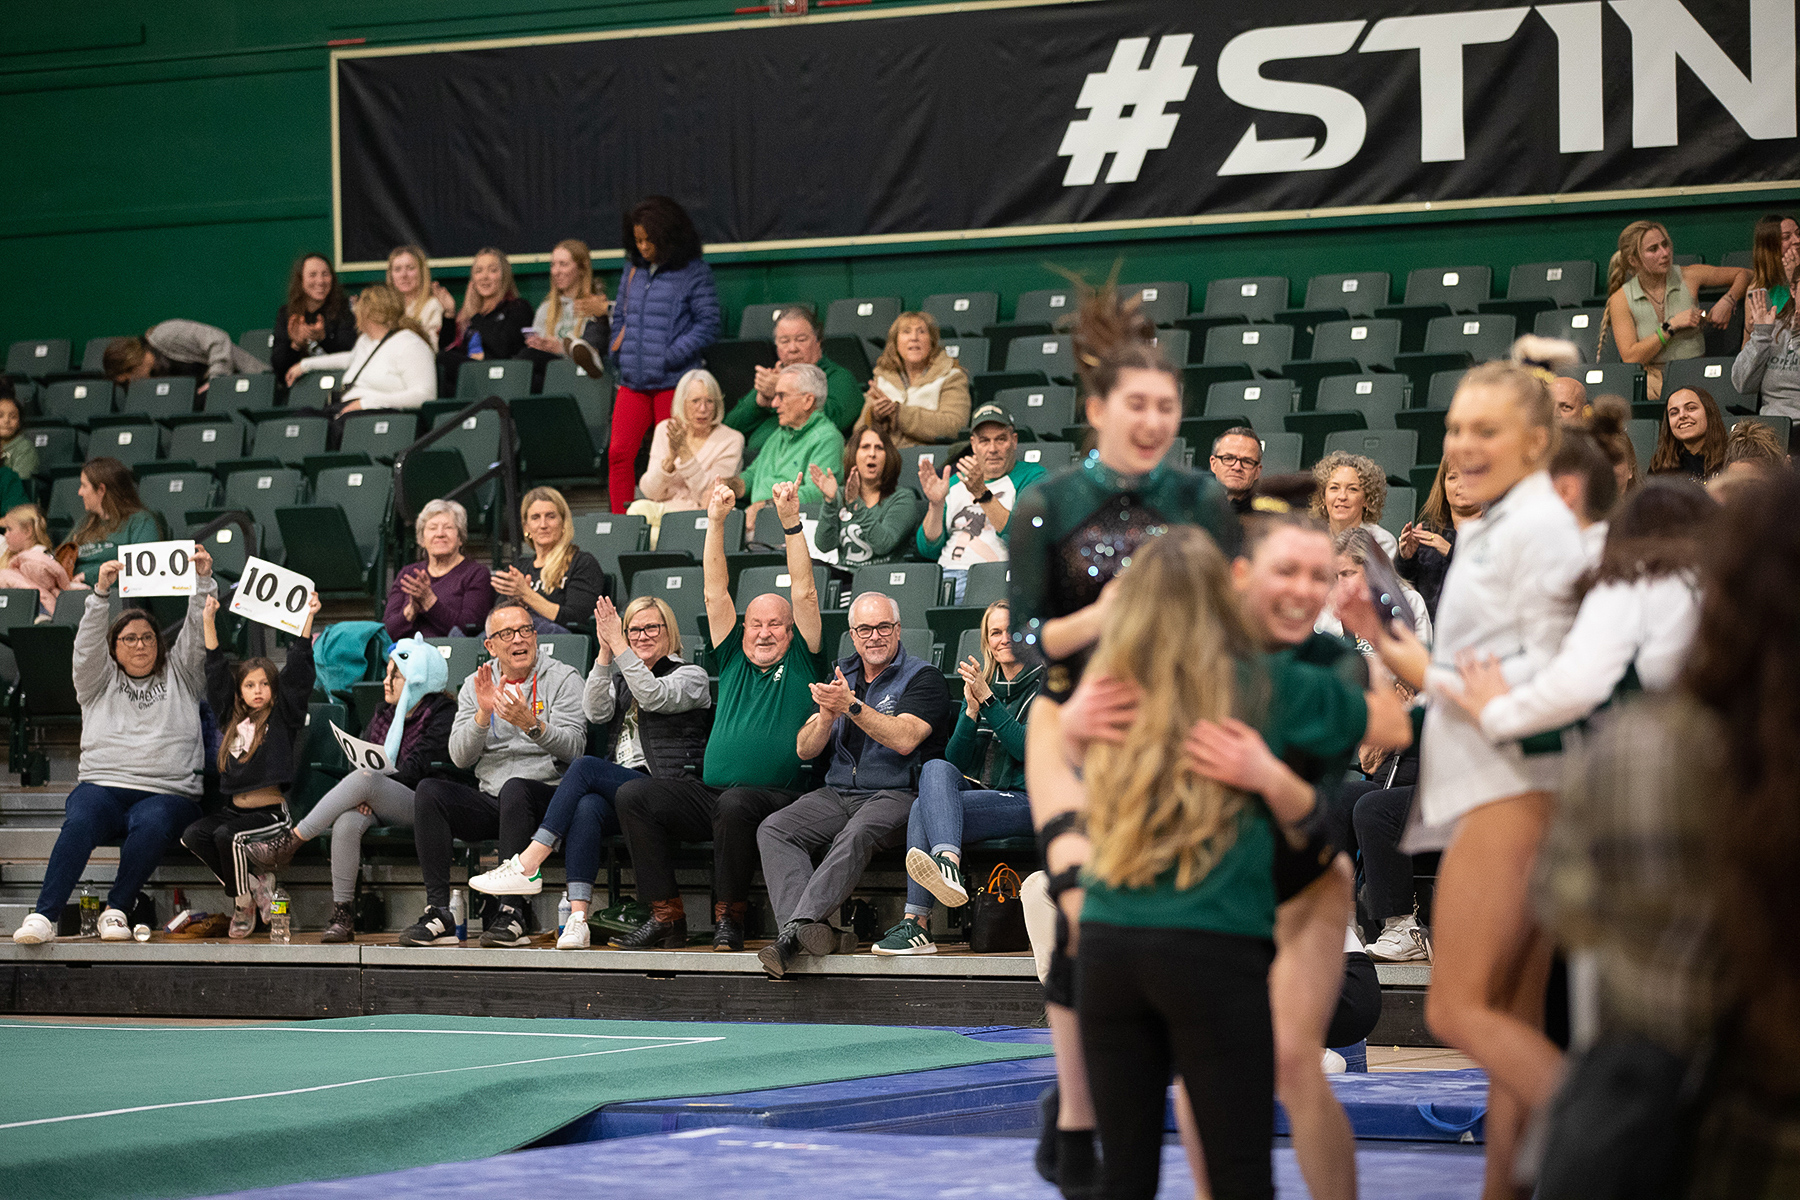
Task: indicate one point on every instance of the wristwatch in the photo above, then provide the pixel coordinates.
(798, 527)
(987, 493)
(856, 707)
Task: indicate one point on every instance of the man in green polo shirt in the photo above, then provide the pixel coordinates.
(797, 340)
(751, 767)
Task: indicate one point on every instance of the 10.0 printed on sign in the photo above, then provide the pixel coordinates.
(272, 595)
(157, 569)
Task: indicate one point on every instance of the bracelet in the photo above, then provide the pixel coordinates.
(1055, 827)
(792, 530)
(1662, 337)
(987, 494)
(1063, 880)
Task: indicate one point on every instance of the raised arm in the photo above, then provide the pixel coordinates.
(187, 656)
(721, 612)
(803, 589)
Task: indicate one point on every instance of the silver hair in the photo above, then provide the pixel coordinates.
(893, 605)
(439, 508)
(701, 381)
(812, 380)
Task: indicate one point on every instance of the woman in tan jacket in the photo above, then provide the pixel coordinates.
(919, 395)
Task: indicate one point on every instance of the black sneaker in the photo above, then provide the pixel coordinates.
(436, 928)
(507, 931)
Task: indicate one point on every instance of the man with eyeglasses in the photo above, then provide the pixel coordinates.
(882, 715)
(1237, 463)
(804, 438)
(751, 767)
(797, 341)
(518, 725)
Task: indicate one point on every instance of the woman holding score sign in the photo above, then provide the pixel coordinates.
(257, 757)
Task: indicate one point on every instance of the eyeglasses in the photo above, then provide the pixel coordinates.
(508, 636)
(137, 639)
(1234, 460)
(865, 632)
(644, 631)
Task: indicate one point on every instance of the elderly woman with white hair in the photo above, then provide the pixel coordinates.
(689, 452)
(446, 594)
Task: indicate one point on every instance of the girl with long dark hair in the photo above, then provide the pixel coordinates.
(314, 319)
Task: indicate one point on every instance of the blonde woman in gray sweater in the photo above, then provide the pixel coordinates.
(140, 751)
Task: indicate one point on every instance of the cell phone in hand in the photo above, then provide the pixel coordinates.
(528, 331)
(1385, 592)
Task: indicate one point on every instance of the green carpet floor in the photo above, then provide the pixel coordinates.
(127, 1111)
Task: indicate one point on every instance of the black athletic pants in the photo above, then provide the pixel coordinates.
(657, 814)
(444, 810)
(1156, 1002)
(219, 839)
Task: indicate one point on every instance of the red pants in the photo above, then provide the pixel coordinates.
(634, 415)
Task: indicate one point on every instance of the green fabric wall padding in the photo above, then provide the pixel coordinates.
(191, 1110)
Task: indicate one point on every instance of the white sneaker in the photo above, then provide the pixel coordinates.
(1401, 940)
(114, 926)
(1334, 1063)
(574, 935)
(34, 930)
(509, 879)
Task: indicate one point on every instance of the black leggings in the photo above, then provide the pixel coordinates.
(1156, 1002)
(219, 840)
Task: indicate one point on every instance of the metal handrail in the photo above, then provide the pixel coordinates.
(505, 469)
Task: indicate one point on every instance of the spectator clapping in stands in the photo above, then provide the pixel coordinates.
(491, 322)
(797, 343)
(977, 790)
(1650, 301)
(880, 717)
(416, 678)
(140, 752)
(1768, 367)
(1690, 439)
(26, 561)
(314, 319)
(689, 453)
(656, 711)
(918, 394)
(1237, 463)
(17, 452)
(573, 301)
(805, 439)
(262, 713)
(969, 505)
(1350, 491)
(869, 518)
(446, 595)
(190, 348)
(518, 725)
(115, 517)
(1774, 265)
(1427, 544)
(557, 581)
(409, 273)
(667, 313)
(391, 364)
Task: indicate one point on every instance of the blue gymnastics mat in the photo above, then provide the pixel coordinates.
(867, 1166)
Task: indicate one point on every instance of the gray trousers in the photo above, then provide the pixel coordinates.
(336, 810)
(848, 826)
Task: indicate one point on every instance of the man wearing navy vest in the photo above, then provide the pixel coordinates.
(883, 715)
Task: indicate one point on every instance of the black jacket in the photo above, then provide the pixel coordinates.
(340, 335)
(582, 585)
(502, 329)
(426, 740)
(674, 743)
(1426, 570)
(277, 756)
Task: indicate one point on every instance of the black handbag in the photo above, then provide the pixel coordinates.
(996, 918)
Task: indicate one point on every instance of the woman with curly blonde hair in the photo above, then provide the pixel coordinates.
(1349, 492)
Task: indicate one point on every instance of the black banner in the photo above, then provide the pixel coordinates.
(885, 126)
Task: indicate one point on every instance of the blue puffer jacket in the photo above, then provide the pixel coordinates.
(670, 317)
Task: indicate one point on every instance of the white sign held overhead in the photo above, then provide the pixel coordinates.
(272, 595)
(362, 755)
(157, 569)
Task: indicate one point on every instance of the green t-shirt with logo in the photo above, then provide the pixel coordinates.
(758, 716)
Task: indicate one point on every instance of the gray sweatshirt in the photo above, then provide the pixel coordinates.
(141, 733)
(682, 689)
(1769, 365)
(196, 342)
(503, 751)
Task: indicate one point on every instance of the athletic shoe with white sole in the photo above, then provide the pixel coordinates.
(243, 921)
(908, 937)
(575, 935)
(115, 926)
(507, 931)
(35, 930)
(1334, 1063)
(937, 875)
(508, 879)
(1401, 940)
(262, 890)
(435, 928)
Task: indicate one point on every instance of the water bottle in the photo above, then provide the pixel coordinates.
(90, 912)
(280, 932)
(562, 915)
(474, 343)
(460, 914)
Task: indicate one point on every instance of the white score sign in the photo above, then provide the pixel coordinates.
(272, 595)
(362, 754)
(157, 569)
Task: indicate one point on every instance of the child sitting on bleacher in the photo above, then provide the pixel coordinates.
(26, 561)
(262, 714)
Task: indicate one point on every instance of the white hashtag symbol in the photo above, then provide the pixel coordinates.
(1144, 90)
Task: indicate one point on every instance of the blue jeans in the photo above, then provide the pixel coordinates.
(148, 823)
(581, 815)
(960, 577)
(950, 811)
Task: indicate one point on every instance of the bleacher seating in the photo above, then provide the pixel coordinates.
(1256, 298)
(963, 314)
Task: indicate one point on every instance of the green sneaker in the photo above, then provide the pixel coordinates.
(908, 937)
(939, 876)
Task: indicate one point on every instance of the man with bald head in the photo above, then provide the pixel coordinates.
(798, 340)
(751, 768)
(881, 716)
(1570, 397)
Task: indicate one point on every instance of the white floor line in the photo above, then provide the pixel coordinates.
(619, 1037)
(326, 1087)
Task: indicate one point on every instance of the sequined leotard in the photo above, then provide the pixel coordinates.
(1071, 533)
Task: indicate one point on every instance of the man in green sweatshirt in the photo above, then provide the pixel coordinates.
(797, 342)
(804, 438)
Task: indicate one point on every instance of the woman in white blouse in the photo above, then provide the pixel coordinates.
(689, 452)
(409, 271)
(391, 365)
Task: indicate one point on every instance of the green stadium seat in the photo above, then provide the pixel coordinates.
(1523, 312)
(1305, 323)
(1565, 284)
(1358, 293)
(170, 494)
(253, 393)
(69, 606)
(733, 363)
(971, 354)
(1052, 456)
(1482, 337)
(1424, 478)
(1196, 379)
(130, 444)
(1054, 356)
(365, 494)
(1198, 325)
(767, 531)
(757, 323)
(322, 546)
(18, 606)
(476, 438)
(159, 399)
(963, 314)
(289, 437)
(1783, 426)
(949, 622)
(1262, 348)
(968, 645)
(313, 390)
(1712, 374)
(1643, 440)
(65, 507)
(1045, 411)
(463, 654)
(1442, 387)
(988, 582)
(1281, 453)
(93, 354)
(1378, 396)
(55, 445)
(1621, 379)
(1578, 325)
(575, 649)
(259, 342)
(918, 642)
(26, 393)
(1401, 506)
(77, 401)
(1371, 343)
(607, 535)
(381, 434)
(685, 532)
(988, 384)
(432, 474)
(1046, 305)
(1202, 432)
(1175, 344)
(866, 318)
(1428, 424)
(208, 441)
(758, 581)
(1740, 258)
(1419, 367)
(683, 589)
(38, 358)
(1414, 320)
(1163, 301)
(259, 492)
(230, 548)
(504, 377)
(1264, 405)
(1252, 298)
(1396, 451)
(849, 352)
(554, 441)
(1462, 289)
(913, 586)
